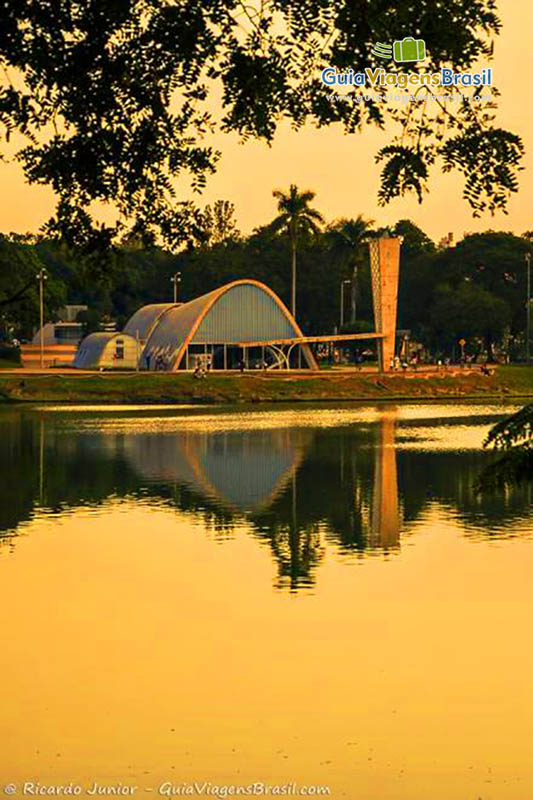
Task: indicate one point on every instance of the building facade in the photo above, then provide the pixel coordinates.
(107, 351)
(218, 325)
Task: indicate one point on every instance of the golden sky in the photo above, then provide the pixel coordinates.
(341, 168)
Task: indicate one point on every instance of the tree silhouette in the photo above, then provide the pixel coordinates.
(512, 438)
(218, 223)
(348, 237)
(113, 101)
(297, 218)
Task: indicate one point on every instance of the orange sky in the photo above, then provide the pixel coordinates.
(340, 168)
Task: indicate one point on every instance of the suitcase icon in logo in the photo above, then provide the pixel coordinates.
(409, 49)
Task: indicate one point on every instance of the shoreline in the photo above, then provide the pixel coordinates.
(138, 388)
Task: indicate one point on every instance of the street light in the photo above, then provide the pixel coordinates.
(176, 279)
(343, 283)
(41, 276)
(528, 306)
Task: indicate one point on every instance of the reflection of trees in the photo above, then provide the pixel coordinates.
(299, 489)
(297, 552)
(344, 493)
(297, 548)
(41, 467)
(19, 469)
(449, 478)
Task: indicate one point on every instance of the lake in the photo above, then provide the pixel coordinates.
(303, 597)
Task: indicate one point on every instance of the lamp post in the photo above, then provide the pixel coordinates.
(176, 279)
(528, 306)
(343, 284)
(353, 293)
(42, 276)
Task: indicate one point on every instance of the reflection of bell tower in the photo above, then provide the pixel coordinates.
(385, 520)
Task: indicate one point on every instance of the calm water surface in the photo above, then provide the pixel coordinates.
(307, 595)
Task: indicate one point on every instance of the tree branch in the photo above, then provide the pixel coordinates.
(17, 295)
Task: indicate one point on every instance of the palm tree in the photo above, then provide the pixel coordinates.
(348, 237)
(296, 218)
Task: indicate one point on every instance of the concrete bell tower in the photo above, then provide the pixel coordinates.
(385, 271)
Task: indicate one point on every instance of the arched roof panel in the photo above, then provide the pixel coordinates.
(91, 349)
(245, 313)
(241, 311)
(171, 331)
(143, 321)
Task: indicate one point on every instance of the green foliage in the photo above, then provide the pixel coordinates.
(489, 159)
(469, 311)
(19, 288)
(414, 241)
(495, 262)
(295, 215)
(112, 99)
(9, 357)
(218, 224)
(348, 239)
(405, 170)
(475, 290)
(359, 326)
(513, 437)
(298, 220)
(515, 431)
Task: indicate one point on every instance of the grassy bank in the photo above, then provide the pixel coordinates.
(8, 364)
(253, 388)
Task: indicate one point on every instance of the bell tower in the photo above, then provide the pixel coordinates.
(385, 271)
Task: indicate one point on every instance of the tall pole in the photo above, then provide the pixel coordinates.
(41, 276)
(354, 293)
(343, 283)
(293, 276)
(176, 278)
(528, 307)
(41, 318)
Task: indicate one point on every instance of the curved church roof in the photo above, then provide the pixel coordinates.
(92, 348)
(242, 311)
(143, 321)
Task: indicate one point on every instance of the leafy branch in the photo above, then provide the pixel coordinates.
(513, 437)
(114, 100)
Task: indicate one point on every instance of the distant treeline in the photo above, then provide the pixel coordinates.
(475, 290)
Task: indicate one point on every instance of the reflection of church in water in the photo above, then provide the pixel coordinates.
(263, 476)
(297, 489)
(240, 471)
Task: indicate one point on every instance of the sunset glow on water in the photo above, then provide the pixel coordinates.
(316, 597)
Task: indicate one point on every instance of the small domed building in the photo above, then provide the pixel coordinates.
(107, 351)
